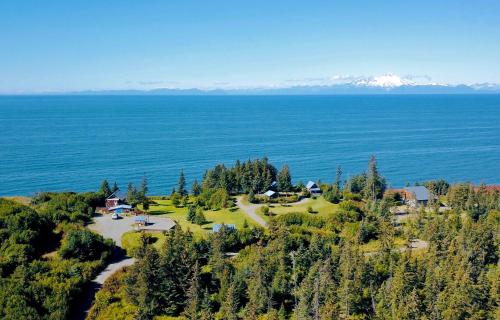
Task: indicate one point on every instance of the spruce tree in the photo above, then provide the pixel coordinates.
(195, 188)
(338, 177)
(181, 185)
(193, 295)
(104, 189)
(191, 215)
(229, 307)
(284, 180)
(115, 187)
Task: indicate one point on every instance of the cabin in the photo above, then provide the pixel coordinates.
(270, 194)
(218, 227)
(417, 196)
(313, 188)
(115, 200)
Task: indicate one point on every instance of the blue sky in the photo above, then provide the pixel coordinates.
(78, 45)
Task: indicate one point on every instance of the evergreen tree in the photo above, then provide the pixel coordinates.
(258, 297)
(177, 260)
(104, 189)
(251, 196)
(338, 178)
(191, 215)
(193, 296)
(143, 284)
(229, 307)
(375, 184)
(284, 180)
(195, 188)
(181, 185)
(282, 313)
(115, 187)
(200, 216)
(144, 187)
(132, 194)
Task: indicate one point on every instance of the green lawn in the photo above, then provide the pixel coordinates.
(234, 216)
(131, 240)
(320, 206)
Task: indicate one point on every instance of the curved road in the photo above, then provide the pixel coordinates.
(113, 229)
(250, 210)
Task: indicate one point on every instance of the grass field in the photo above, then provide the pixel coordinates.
(131, 240)
(320, 207)
(227, 216)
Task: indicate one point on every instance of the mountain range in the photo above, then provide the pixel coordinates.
(385, 84)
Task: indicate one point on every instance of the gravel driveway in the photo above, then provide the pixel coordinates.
(113, 229)
(250, 210)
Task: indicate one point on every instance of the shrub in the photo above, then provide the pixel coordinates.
(264, 210)
(85, 245)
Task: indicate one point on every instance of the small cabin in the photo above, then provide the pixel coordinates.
(270, 194)
(115, 200)
(218, 227)
(416, 196)
(313, 188)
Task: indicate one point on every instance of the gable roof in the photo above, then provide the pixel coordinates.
(311, 184)
(116, 195)
(269, 193)
(421, 193)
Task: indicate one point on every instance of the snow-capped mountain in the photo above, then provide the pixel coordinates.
(337, 85)
(385, 81)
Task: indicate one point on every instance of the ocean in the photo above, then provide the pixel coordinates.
(59, 143)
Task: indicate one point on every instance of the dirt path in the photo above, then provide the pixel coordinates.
(250, 211)
(113, 229)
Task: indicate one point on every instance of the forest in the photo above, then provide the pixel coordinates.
(302, 265)
(305, 266)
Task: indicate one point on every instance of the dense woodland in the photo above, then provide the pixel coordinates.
(46, 254)
(314, 267)
(304, 266)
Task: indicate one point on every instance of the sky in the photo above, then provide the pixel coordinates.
(99, 45)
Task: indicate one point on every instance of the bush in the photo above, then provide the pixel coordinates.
(251, 197)
(264, 210)
(85, 245)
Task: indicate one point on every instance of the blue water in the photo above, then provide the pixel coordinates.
(73, 142)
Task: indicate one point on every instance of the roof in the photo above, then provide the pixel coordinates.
(116, 195)
(311, 184)
(421, 193)
(121, 206)
(217, 227)
(269, 193)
